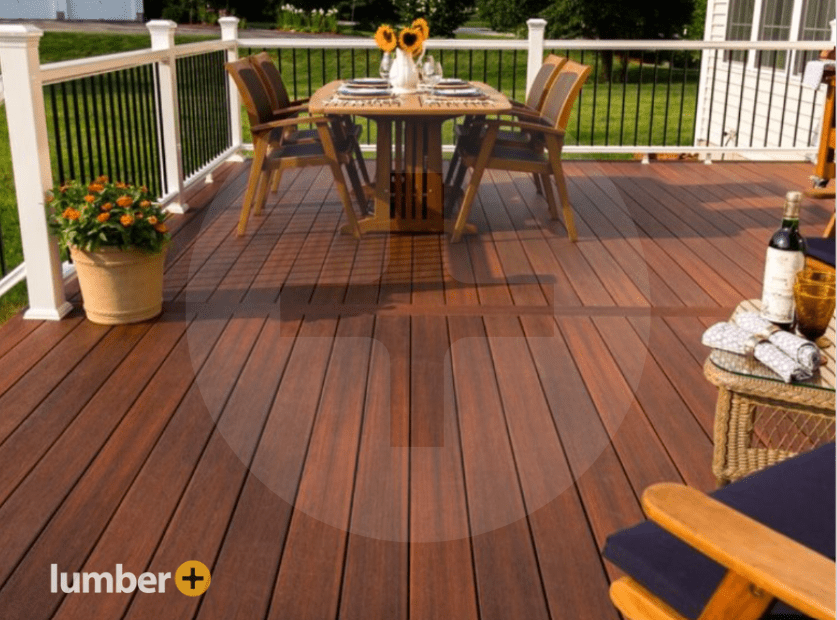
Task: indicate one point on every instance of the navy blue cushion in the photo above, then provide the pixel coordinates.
(821, 249)
(795, 497)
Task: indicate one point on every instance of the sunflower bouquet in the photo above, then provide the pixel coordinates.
(106, 214)
(410, 39)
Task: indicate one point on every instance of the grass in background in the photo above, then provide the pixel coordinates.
(54, 47)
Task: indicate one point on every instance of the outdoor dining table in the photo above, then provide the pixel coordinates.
(408, 189)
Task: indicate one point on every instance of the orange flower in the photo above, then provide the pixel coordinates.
(161, 228)
(138, 215)
(125, 201)
(107, 206)
(103, 217)
(385, 38)
(102, 179)
(89, 198)
(50, 199)
(152, 220)
(126, 220)
(71, 214)
(95, 187)
(144, 189)
(145, 204)
(120, 185)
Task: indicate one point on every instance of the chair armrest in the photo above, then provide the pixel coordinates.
(290, 122)
(525, 126)
(290, 110)
(771, 561)
(304, 101)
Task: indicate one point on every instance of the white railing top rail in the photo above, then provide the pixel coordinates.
(63, 71)
(522, 44)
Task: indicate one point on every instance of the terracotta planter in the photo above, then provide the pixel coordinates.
(120, 286)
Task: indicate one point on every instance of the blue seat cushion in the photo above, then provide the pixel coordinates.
(821, 249)
(795, 497)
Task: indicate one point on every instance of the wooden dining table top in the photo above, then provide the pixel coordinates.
(422, 103)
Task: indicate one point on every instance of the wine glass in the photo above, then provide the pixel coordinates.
(430, 71)
(814, 302)
(386, 65)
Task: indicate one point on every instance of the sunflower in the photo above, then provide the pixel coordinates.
(385, 38)
(409, 40)
(420, 24)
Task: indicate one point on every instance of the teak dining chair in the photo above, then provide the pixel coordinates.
(332, 147)
(541, 155)
(761, 547)
(531, 108)
(283, 107)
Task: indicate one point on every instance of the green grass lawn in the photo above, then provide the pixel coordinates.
(634, 106)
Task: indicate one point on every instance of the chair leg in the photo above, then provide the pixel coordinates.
(361, 164)
(467, 203)
(255, 174)
(275, 180)
(454, 164)
(538, 185)
(555, 160)
(357, 187)
(546, 184)
(261, 194)
(343, 192)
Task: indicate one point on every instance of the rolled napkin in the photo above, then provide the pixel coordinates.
(804, 352)
(732, 338)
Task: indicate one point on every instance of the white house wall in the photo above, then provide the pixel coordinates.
(116, 10)
(28, 9)
(799, 103)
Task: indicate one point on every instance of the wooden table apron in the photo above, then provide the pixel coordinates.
(414, 171)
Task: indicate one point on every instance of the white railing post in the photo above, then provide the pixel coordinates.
(162, 38)
(229, 32)
(31, 164)
(535, 53)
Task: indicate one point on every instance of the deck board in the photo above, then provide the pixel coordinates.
(392, 428)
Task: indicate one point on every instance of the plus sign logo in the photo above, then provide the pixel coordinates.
(192, 578)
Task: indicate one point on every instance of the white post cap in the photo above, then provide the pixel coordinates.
(162, 33)
(229, 28)
(17, 34)
(536, 23)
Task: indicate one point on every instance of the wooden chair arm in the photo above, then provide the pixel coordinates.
(304, 101)
(290, 110)
(771, 561)
(290, 122)
(525, 126)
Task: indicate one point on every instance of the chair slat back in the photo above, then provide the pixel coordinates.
(563, 93)
(253, 92)
(543, 80)
(272, 79)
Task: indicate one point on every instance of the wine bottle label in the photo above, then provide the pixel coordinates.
(780, 269)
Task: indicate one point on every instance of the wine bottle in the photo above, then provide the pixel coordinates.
(785, 258)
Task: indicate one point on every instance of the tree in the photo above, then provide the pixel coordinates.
(509, 15)
(443, 16)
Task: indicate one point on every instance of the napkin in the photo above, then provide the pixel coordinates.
(732, 338)
(804, 352)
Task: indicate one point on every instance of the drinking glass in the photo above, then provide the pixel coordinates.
(814, 306)
(431, 71)
(813, 276)
(386, 65)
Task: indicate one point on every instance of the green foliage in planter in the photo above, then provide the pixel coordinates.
(106, 214)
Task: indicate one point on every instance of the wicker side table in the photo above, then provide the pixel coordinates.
(760, 420)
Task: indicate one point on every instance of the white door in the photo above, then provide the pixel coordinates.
(101, 9)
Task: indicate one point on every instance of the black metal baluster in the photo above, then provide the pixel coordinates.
(626, 65)
(158, 117)
(456, 62)
(514, 75)
(711, 97)
(323, 61)
(107, 117)
(668, 96)
(609, 97)
(77, 123)
(784, 107)
(293, 60)
(579, 108)
(352, 57)
(308, 59)
(500, 70)
(337, 51)
(214, 96)
(813, 115)
(726, 101)
(755, 97)
(595, 92)
(195, 111)
(695, 111)
(96, 125)
(798, 113)
(368, 69)
(683, 98)
(139, 133)
(653, 95)
(87, 133)
(470, 65)
(638, 98)
(740, 100)
(56, 130)
(208, 112)
(485, 66)
(770, 99)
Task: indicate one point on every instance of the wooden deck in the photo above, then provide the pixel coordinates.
(395, 428)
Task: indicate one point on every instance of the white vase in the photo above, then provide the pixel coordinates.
(403, 75)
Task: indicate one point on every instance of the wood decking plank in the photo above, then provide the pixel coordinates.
(99, 491)
(138, 526)
(376, 579)
(308, 584)
(14, 331)
(504, 556)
